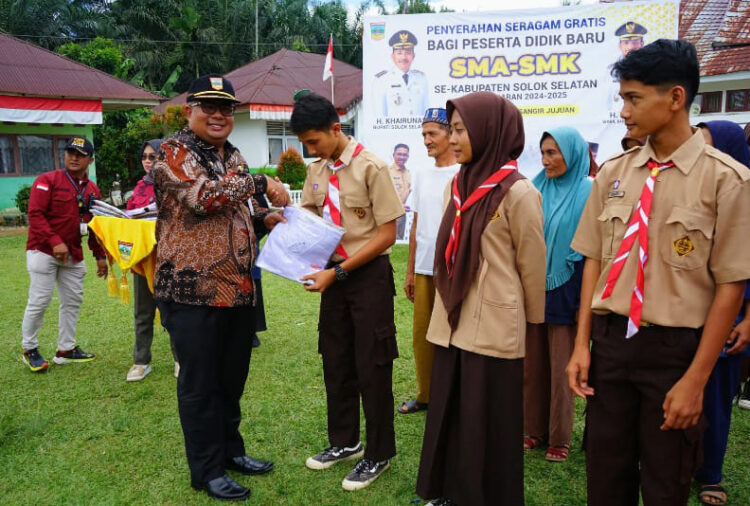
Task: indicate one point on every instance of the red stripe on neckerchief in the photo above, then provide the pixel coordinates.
(332, 205)
(461, 207)
(637, 228)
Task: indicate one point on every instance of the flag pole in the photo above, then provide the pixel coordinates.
(332, 98)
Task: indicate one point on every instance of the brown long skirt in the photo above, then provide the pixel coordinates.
(472, 451)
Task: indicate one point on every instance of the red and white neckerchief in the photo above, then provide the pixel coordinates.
(476, 195)
(637, 228)
(332, 206)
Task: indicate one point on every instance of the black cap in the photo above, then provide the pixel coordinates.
(80, 144)
(402, 39)
(213, 86)
(631, 31)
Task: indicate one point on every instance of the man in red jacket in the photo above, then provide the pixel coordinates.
(58, 214)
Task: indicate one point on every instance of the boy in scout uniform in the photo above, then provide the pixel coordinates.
(662, 284)
(351, 187)
(401, 90)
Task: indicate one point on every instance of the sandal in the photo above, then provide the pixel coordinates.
(411, 406)
(557, 453)
(531, 442)
(715, 492)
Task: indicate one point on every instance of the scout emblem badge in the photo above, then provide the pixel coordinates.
(683, 246)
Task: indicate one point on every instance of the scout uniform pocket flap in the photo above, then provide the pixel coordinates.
(686, 238)
(612, 231)
(319, 199)
(619, 211)
(353, 201)
(692, 220)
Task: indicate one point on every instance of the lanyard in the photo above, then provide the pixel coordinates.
(79, 191)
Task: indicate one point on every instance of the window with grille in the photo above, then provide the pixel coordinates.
(281, 138)
(711, 102)
(30, 155)
(737, 100)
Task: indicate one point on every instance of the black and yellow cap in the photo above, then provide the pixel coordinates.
(80, 144)
(211, 86)
(631, 31)
(402, 39)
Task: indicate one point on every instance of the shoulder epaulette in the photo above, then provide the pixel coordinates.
(742, 171)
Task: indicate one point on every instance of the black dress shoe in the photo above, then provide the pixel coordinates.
(255, 341)
(248, 465)
(223, 488)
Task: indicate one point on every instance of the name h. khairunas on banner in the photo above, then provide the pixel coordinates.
(553, 64)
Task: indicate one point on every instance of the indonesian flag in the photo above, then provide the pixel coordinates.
(50, 110)
(328, 66)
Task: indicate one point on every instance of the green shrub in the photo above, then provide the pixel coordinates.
(22, 198)
(265, 170)
(292, 169)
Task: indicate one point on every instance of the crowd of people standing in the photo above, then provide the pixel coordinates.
(620, 284)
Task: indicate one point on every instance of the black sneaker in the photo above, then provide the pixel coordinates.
(34, 360)
(365, 472)
(72, 356)
(333, 455)
(441, 502)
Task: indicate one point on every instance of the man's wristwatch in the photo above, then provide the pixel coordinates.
(341, 274)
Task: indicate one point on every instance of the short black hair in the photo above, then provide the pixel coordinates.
(313, 112)
(400, 146)
(663, 63)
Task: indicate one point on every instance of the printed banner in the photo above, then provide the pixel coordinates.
(553, 64)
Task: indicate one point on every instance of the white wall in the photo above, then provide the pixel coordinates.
(249, 136)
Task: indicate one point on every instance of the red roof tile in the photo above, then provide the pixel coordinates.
(720, 30)
(274, 79)
(27, 69)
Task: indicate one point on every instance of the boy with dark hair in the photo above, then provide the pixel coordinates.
(658, 320)
(351, 187)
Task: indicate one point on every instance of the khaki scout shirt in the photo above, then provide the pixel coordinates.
(508, 290)
(698, 234)
(367, 196)
(401, 180)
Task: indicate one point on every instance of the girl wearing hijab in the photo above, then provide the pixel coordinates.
(489, 280)
(144, 307)
(549, 404)
(724, 382)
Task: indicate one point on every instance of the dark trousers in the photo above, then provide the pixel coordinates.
(144, 310)
(358, 345)
(214, 348)
(624, 446)
(720, 389)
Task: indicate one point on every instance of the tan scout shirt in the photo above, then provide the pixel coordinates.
(508, 290)
(366, 194)
(698, 234)
(402, 181)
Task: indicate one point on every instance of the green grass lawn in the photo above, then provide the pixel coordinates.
(79, 434)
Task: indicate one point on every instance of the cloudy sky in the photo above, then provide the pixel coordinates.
(485, 5)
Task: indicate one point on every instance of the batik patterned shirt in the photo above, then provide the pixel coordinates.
(205, 230)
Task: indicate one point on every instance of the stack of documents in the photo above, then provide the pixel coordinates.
(301, 246)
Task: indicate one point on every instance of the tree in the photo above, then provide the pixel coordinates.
(100, 53)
